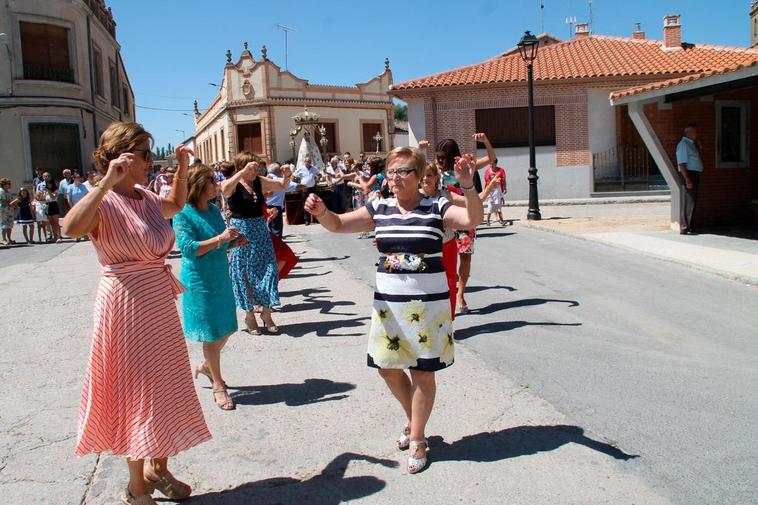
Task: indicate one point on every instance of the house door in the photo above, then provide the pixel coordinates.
(55, 147)
(250, 138)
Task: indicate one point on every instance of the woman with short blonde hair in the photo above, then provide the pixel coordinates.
(138, 398)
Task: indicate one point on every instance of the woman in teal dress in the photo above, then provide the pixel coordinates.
(208, 306)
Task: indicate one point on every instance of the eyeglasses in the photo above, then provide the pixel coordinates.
(147, 155)
(403, 172)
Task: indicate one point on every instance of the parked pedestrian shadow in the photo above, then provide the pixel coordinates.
(477, 289)
(330, 487)
(500, 326)
(323, 306)
(303, 276)
(331, 258)
(293, 395)
(482, 234)
(526, 302)
(516, 442)
(324, 328)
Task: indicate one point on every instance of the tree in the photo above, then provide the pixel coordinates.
(401, 112)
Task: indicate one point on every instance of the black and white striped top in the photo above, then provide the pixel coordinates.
(419, 231)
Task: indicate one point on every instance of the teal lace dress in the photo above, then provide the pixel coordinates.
(208, 307)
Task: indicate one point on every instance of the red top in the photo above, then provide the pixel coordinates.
(490, 174)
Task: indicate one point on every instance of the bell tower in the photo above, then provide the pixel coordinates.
(754, 23)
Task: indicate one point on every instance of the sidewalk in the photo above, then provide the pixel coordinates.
(644, 228)
(313, 424)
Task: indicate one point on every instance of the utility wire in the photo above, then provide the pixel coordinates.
(167, 110)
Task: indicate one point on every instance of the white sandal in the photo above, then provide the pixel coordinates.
(404, 439)
(415, 465)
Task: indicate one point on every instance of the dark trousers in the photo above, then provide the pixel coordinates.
(687, 201)
(307, 215)
(338, 199)
(276, 225)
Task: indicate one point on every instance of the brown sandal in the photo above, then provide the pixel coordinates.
(145, 499)
(169, 486)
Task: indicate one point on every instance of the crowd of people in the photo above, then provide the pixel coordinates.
(139, 401)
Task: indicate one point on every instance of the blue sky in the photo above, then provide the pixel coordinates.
(173, 48)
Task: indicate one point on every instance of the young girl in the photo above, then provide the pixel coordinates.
(40, 215)
(7, 210)
(25, 214)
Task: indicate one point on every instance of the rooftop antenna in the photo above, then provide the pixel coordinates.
(589, 3)
(542, 17)
(570, 22)
(286, 29)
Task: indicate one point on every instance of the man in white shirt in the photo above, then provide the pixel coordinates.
(276, 200)
(690, 167)
(307, 175)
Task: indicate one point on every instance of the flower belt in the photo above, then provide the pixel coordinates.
(406, 262)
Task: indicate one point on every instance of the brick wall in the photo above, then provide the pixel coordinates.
(725, 193)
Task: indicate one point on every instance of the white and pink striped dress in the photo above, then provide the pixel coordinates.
(138, 398)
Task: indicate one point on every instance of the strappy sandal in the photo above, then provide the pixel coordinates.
(145, 499)
(415, 465)
(404, 439)
(169, 486)
(227, 404)
(253, 329)
(202, 371)
(270, 326)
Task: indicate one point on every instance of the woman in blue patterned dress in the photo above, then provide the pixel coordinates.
(255, 276)
(208, 304)
(410, 325)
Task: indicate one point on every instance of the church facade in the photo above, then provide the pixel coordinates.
(257, 101)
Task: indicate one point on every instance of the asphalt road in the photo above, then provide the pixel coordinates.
(659, 358)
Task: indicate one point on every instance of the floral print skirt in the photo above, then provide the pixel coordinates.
(255, 276)
(411, 325)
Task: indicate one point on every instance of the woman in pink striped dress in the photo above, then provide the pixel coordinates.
(138, 398)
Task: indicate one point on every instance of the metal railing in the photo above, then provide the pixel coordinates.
(48, 73)
(623, 167)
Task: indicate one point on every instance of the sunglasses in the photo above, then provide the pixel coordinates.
(403, 172)
(147, 155)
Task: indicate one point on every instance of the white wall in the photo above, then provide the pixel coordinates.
(416, 123)
(554, 182)
(602, 121)
(400, 140)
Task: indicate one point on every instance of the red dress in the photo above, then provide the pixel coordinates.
(138, 398)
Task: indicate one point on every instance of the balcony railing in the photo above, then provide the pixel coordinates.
(48, 73)
(626, 168)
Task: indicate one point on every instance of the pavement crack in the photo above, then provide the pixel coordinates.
(90, 480)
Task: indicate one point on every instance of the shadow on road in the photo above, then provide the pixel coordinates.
(323, 306)
(325, 328)
(330, 258)
(303, 276)
(500, 326)
(330, 487)
(518, 441)
(293, 395)
(482, 234)
(477, 289)
(526, 302)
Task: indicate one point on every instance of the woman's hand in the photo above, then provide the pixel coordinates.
(479, 137)
(464, 170)
(229, 234)
(117, 170)
(241, 241)
(423, 144)
(286, 171)
(315, 205)
(250, 169)
(182, 155)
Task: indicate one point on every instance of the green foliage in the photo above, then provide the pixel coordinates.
(401, 112)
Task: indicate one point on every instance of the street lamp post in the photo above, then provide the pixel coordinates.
(528, 46)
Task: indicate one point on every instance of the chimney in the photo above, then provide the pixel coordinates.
(672, 32)
(638, 33)
(582, 30)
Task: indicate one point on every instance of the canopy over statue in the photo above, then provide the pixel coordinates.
(308, 147)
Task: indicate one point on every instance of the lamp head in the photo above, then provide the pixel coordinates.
(528, 46)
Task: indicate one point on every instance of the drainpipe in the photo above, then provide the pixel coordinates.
(92, 85)
(653, 144)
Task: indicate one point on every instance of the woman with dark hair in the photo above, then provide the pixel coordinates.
(446, 153)
(138, 398)
(254, 271)
(53, 211)
(208, 304)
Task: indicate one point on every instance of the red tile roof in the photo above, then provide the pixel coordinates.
(593, 56)
(636, 90)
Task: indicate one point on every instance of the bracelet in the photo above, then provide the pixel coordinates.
(469, 189)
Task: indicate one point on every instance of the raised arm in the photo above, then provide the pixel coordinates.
(470, 216)
(491, 157)
(277, 186)
(351, 222)
(228, 186)
(173, 203)
(83, 219)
